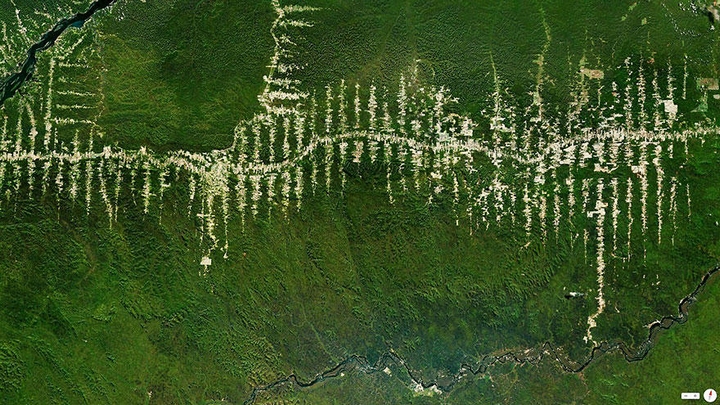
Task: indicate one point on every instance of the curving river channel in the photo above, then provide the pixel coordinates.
(11, 84)
(533, 356)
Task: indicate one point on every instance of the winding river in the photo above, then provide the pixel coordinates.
(533, 356)
(11, 84)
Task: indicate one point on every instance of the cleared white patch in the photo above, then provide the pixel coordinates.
(429, 391)
(600, 209)
(670, 107)
(593, 73)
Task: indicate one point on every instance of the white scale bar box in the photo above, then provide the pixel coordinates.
(690, 395)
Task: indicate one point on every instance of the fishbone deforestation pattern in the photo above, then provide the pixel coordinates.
(539, 173)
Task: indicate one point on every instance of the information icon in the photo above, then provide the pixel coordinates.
(710, 395)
